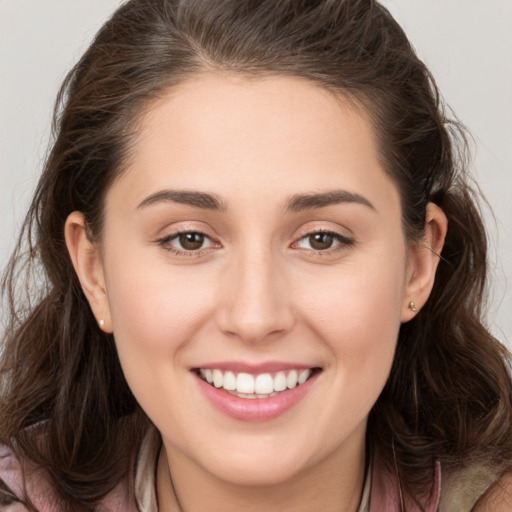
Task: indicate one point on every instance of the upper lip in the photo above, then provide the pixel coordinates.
(254, 368)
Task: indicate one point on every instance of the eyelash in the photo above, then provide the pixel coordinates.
(165, 243)
(342, 242)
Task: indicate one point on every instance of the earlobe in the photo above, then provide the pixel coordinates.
(86, 259)
(424, 257)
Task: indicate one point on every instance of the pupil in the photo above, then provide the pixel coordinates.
(321, 241)
(191, 241)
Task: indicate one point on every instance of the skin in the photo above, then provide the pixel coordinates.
(257, 291)
(498, 498)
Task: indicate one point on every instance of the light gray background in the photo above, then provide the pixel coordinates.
(466, 43)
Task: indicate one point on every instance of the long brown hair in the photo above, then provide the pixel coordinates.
(449, 395)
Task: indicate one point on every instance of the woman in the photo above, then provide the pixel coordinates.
(257, 238)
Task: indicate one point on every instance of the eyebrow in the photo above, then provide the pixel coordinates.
(297, 203)
(302, 202)
(191, 198)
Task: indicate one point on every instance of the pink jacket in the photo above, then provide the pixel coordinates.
(385, 490)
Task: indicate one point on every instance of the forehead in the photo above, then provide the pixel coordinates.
(229, 133)
(215, 106)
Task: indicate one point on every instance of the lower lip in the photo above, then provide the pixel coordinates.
(255, 409)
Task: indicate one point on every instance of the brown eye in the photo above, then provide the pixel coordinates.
(324, 241)
(191, 241)
(321, 241)
(187, 243)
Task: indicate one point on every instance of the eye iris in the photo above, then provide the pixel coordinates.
(191, 241)
(321, 241)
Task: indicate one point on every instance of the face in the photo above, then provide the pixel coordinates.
(255, 240)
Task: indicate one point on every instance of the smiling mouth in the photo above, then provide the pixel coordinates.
(263, 385)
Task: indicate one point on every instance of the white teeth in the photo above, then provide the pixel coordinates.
(229, 381)
(246, 385)
(280, 381)
(264, 384)
(303, 376)
(218, 378)
(291, 380)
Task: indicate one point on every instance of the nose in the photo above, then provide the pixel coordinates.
(256, 304)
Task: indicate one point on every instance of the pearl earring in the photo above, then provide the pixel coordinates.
(102, 323)
(412, 306)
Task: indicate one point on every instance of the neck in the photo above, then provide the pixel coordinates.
(332, 484)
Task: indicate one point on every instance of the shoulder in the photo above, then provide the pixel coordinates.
(16, 476)
(477, 488)
(10, 480)
(498, 498)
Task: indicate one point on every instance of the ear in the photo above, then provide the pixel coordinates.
(424, 257)
(86, 259)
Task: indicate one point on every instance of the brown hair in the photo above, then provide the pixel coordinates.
(449, 395)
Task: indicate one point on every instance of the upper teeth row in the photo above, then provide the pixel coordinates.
(262, 384)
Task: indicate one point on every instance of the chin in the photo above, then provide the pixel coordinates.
(257, 469)
(257, 476)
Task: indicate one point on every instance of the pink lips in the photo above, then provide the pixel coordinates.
(257, 409)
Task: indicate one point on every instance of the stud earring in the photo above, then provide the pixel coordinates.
(412, 306)
(102, 323)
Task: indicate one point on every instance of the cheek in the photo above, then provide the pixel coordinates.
(357, 315)
(155, 313)
(152, 305)
(356, 303)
